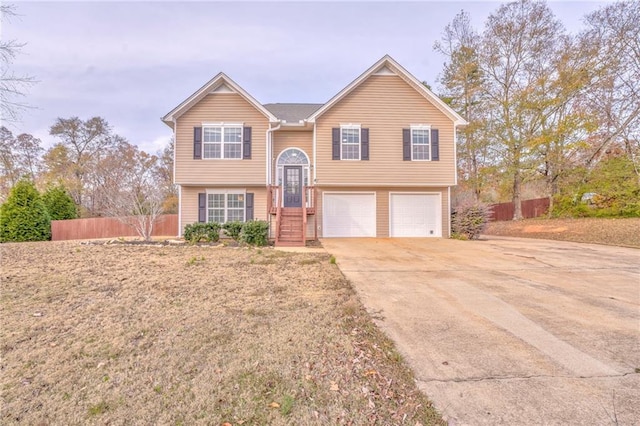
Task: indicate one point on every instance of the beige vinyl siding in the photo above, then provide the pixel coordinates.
(216, 108)
(382, 205)
(288, 139)
(385, 105)
(189, 205)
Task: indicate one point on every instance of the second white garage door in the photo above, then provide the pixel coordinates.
(415, 215)
(348, 214)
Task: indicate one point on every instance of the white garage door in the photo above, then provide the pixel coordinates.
(415, 215)
(349, 214)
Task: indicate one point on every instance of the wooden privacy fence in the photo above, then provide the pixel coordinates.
(530, 208)
(108, 227)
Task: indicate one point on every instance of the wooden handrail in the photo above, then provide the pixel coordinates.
(304, 214)
(278, 213)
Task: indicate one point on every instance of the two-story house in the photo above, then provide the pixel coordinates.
(377, 160)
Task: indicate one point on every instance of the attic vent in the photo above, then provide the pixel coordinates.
(223, 88)
(384, 71)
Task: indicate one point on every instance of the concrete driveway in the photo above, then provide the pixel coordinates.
(506, 330)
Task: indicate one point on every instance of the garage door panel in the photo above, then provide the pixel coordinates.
(415, 215)
(349, 215)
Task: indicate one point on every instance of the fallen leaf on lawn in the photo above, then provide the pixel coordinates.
(334, 387)
(370, 373)
(226, 424)
(274, 405)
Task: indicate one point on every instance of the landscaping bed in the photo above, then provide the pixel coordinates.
(618, 231)
(127, 334)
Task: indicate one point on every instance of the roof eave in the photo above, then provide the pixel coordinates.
(205, 89)
(388, 60)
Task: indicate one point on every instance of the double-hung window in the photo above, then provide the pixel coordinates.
(420, 143)
(225, 207)
(350, 142)
(223, 141)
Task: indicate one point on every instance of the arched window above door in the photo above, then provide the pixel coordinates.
(292, 156)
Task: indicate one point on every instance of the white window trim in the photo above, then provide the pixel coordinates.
(223, 126)
(351, 127)
(306, 168)
(226, 201)
(421, 127)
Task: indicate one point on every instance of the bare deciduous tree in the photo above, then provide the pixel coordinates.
(133, 193)
(12, 85)
(19, 158)
(84, 141)
(462, 80)
(615, 96)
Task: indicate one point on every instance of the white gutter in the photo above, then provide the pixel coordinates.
(455, 153)
(175, 131)
(269, 140)
(179, 211)
(315, 169)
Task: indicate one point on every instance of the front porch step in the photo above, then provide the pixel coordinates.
(291, 227)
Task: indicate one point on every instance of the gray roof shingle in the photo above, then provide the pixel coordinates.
(292, 113)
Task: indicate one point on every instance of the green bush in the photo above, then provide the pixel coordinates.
(196, 232)
(233, 229)
(255, 233)
(469, 220)
(615, 185)
(24, 217)
(59, 204)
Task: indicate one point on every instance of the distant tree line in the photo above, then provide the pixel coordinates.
(100, 172)
(547, 107)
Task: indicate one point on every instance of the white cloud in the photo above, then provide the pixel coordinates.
(155, 145)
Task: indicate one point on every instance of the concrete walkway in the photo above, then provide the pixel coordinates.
(505, 330)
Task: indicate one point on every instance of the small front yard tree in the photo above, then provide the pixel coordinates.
(24, 217)
(132, 192)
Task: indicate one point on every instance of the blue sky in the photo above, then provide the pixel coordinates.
(132, 62)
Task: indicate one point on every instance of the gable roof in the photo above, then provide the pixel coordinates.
(292, 113)
(388, 66)
(221, 83)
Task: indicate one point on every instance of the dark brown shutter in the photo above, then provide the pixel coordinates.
(335, 143)
(406, 144)
(364, 144)
(202, 207)
(246, 143)
(197, 143)
(248, 205)
(435, 145)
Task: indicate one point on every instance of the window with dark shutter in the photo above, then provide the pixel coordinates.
(364, 144)
(197, 143)
(406, 144)
(246, 143)
(249, 206)
(435, 145)
(202, 207)
(335, 143)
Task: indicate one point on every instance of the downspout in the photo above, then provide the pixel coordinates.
(449, 210)
(175, 132)
(269, 140)
(455, 153)
(315, 169)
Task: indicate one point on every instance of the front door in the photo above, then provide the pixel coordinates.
(292, 186)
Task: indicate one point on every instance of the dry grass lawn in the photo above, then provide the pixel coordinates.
(123, 334)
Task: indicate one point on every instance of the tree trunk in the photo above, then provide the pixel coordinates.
(517, 188)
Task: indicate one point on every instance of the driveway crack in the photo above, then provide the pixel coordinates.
(532, 376)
